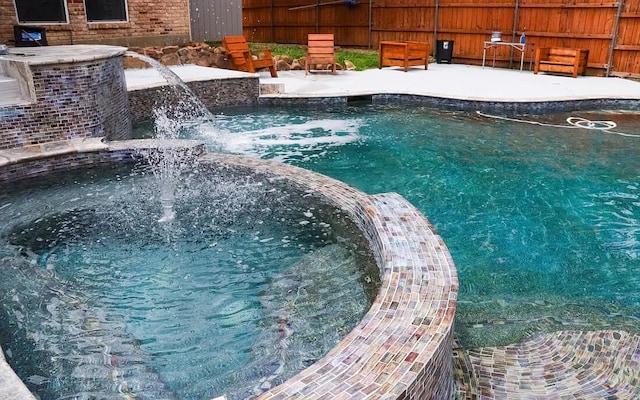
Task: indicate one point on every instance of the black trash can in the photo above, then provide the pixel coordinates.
(444, 51)
(29, 36)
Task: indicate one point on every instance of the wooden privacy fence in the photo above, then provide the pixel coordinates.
(609, 30)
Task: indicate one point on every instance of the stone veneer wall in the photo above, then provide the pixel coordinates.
(20, 165)
(442, 103)
(214, 93)
(402, 349)
(72, 100)
(38, 167)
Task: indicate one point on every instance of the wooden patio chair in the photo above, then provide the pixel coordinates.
(320, 50)
(241, 58)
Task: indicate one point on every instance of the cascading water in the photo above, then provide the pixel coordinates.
(178, 111)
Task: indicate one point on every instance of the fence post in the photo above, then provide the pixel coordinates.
(271, 28)
(435, 27)
(370, 22)
(614, 37)
(516, 16)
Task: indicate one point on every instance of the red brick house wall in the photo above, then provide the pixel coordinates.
(150, 23)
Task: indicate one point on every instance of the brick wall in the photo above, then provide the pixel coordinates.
(150, 23)
(79, 100)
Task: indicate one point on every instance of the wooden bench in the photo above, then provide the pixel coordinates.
(237, 50)
(403, 54)
(561, 60)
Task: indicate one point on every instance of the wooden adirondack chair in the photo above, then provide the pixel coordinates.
(238, 51)
(320, 50)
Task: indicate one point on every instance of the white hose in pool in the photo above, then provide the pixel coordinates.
(574, 122)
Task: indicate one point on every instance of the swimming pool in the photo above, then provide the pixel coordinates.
(101, 300)
(541, 216)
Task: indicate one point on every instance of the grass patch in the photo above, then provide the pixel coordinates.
(362, 59)
(291, 50)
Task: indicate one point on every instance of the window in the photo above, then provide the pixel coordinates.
(106, 10)
(48, 11)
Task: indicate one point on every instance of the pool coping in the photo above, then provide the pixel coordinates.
(457, 104)
(403, 346)
(403, 342)
(452, 87)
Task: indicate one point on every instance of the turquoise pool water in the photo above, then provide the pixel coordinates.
(542, 218)
(100, 300)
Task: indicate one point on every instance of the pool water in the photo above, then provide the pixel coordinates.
(542, 217)
(100, 300)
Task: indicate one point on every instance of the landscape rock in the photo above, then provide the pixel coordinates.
(153, 52)
(132, 62)
(169, 49)
(204, 55)
(284, 58)
(282, 65)
(348, 65)
(170, 59)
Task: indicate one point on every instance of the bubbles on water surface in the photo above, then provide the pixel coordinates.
(282, 138)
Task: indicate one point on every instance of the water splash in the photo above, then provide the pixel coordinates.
(169, 161)
(283, 140)
(176, 113)
(89, 352)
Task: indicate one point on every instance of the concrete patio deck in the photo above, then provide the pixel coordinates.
(450, 81)
(453, 81)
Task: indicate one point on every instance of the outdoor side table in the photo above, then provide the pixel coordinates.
(521, 47)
